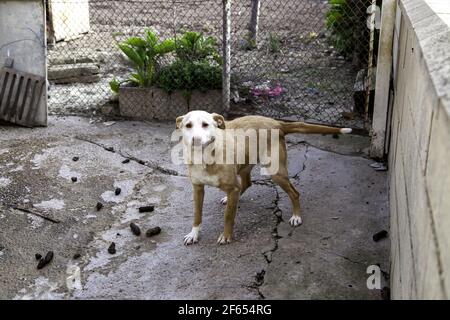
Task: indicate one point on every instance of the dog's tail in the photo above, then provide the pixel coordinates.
(301, 127)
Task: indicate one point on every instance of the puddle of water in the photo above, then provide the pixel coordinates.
(42, 289)
(66, 173)
(159, 188)
(73, 280)
(4, 182)
(132, 211)
(24, 157)
(36, 222)
(131, 214)
(38, 159)
(126, 186)
(103, 258)
(54, 204)
(19, 168)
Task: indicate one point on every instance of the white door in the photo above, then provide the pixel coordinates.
(68, 18)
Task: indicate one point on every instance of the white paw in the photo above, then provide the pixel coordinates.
(224, 200)
(295, 221)
(192, 237)
(223, 239)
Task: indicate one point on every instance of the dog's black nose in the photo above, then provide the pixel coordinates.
(196, 141)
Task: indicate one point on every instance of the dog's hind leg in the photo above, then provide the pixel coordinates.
(246, 179)
(283, 181)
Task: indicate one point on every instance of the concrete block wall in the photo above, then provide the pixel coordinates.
(419, 155)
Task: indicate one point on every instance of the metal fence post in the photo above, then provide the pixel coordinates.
(254, 22)
(226, 44)
(370, 63)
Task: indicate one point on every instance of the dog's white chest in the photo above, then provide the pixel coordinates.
(199, 175)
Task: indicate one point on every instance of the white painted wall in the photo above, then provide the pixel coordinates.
(419, 155)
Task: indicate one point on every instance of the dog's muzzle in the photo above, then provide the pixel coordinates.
(197, 142)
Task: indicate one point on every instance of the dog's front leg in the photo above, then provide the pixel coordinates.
(199, 194)
(230, 214)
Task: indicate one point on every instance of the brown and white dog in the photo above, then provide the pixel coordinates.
(203, 130)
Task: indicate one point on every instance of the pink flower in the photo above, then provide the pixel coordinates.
(267, 91)
(275, 92)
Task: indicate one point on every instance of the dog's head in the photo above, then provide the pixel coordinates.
(199, 128)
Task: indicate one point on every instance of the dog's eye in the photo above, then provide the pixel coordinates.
(189, 125)
(205, 125)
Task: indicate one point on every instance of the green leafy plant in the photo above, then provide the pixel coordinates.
(197, 65)
(248, 42)
(274, 43)
(195, 47)
(189, 76)
(346, 22)
(144, 54)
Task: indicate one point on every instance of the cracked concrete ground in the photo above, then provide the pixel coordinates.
(344, 202)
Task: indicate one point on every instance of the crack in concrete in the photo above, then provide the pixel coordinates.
(295, 176)
(278, 212)
(37, 214)
(268, 255)
(147, 163)
(345, 257)
(263, 182)
(259, 278)
(352, 154)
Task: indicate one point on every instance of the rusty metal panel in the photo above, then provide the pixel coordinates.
(20, 96)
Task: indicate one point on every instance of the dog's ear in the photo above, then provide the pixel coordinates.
(178, 122)
(219, 120)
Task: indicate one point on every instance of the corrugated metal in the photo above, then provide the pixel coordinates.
(20, 96)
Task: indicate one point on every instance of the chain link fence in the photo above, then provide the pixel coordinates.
(297, 60)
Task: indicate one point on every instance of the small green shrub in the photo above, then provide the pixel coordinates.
(248, 42)
(197, 64)
(189, 76)
(144, 54)
(195, 47)
(346, 22)
(274, 43)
